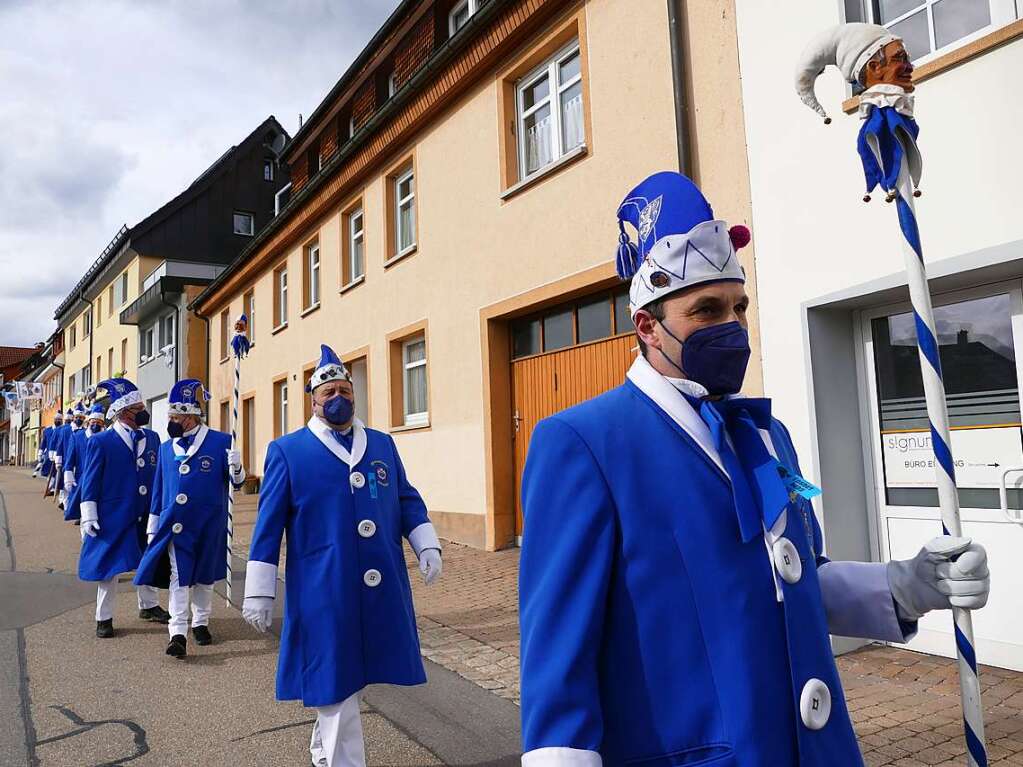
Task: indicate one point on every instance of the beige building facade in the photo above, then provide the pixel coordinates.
(456, 246)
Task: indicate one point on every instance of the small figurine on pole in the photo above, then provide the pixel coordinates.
(874, 58)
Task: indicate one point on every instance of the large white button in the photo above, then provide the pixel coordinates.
(183, 469)
(815, 704)
(358, 480)
(786, 560)
(371, 578)
(367, 528)
(181, 499)
(141, 463)
(143, 490)
(177, 527)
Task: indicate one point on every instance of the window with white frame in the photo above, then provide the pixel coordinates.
(929, 27)
(549, 102)
(147, 340)
(249, 307)
(356, 237)
(244, 224)
(73, 336)
(85, 378)
(166, 327)
(413, 355)
(312, 265)
(71, 384)
(124, 289)
(461, 14)
(392, 84)
(281, 416)
(281, 295)
(405, 212)
(268, 169)
(87, 323)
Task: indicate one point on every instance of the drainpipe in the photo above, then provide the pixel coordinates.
(92, 333)
(677, 40)
(177, 331)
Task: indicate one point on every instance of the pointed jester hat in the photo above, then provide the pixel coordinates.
(329, 368)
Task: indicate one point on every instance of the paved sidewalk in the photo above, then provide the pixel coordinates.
(905, 705)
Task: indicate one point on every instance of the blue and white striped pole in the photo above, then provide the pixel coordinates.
(937, 414)
(240, 347)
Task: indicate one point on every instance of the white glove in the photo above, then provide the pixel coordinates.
(430, 565)
(53, 455)
(234, 463)
(89, 528)
(39, 457)
(258, 613)
(932, 581)
(69, 480)
(149, 538)
(59, 460)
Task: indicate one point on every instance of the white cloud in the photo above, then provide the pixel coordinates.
(112, 108)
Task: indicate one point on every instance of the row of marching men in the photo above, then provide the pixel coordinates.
(337, 489)
(159, 510)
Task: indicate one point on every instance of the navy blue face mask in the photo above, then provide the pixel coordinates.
(338, 410)
(142, 418)
(95, 428)
(175, 429)
(714, 357)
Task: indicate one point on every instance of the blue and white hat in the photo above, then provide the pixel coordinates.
(79, 409)
(97, 413)
(681, 244)
(330, 368)
(123, 393)
(184, 397)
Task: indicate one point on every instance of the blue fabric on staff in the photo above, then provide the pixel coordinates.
(343, 438)
(744, 417)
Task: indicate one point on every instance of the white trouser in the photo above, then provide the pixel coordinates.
(337, 735)
(105, 591)
(177, 602)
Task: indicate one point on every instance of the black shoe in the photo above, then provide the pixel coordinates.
(202, 635)
(177, 647)
(155, 615)
(105, 629)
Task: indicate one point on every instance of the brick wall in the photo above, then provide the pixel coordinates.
(299, 173)
(364, 103)
(414, 50)
(329, 140)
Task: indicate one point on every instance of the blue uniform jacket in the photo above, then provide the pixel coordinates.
(651, 634)
(118, 483)
(61, 443)
(348, 617)
(74, 461)
(46, 445)
(190, 498)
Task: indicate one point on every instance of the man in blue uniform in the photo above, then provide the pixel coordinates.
(341, 493)
(73, 422)
(74, 458)
(188, 516)
(116, 483)
(46, 453)
(675, 600)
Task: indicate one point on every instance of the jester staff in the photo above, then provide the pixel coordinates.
(240, 347)
(874, 58)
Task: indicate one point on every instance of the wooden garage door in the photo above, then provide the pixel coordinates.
(550, 381)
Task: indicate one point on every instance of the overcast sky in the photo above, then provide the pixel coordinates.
(109, 109)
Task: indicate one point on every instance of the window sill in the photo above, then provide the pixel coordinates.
(279, 328)
(353, 284)
(400, 256)
(954, 58)
(545, 171)
(410, 427)
(309, 310)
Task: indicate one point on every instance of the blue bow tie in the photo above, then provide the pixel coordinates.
(344, 439)
(759, 492)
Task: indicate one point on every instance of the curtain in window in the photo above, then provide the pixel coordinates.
(539, 145)
(406, 225)
(572, 117)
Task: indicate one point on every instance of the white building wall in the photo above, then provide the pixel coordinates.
(813, 235)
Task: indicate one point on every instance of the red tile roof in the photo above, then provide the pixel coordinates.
(12, 355)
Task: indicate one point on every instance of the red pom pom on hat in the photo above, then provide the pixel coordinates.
(740, 236)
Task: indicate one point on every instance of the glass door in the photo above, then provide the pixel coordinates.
(980, 332)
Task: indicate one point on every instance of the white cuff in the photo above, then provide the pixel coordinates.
(424, 537)
(260, 579)
(69, 478)
(557, 756)
(53, 455)
(89, 511)
(153, 524)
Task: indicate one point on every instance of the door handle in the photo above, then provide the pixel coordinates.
(517, 419)
(1014, 515)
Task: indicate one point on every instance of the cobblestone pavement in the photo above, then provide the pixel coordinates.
(905, 705)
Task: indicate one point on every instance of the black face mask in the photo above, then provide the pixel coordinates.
(175, 430)
(79, 422)
(142, 418)
(95, 428)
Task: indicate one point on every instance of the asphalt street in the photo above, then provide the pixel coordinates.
(68, 699)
